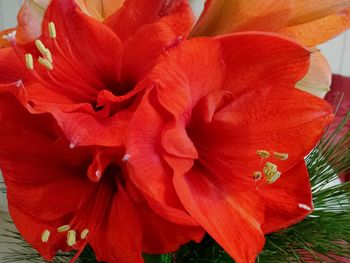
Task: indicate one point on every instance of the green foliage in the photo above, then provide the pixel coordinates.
(321, 237)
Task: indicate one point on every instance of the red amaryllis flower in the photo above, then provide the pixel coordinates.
(223, 125)
(80, 67)
(55, 204)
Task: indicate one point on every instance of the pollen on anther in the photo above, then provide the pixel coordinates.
(52, 30)
(126, 158)
(29, 61)
(40, 46)
(84, 234)
(280, 156)
(271, 172)
(64, 228)
(305, 207)
(71, 238)
(45, 236)
(263, 154)
(45, 63)
(257, 176)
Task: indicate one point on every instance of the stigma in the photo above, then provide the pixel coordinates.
(10, 37)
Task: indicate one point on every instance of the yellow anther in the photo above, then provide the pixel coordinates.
(29, 61)
(84, 234)
(40, 46)
(257, 176)
(281, 156)
(71, 238)
(48, 56)
(63, 228)
(263, 154)
(52, 30)
(271, 172)
(45, 236)
(44, 62)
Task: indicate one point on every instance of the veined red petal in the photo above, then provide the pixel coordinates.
(11, 68)
(147, 169)
(119, 239)
(151, 40)
(235, 221)
(238, 62)
(134, 14)
(262, 120)
(94, 46)
(288, 200)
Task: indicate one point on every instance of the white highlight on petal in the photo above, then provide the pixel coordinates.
(10, 36)
(126, 158)
(305, 207)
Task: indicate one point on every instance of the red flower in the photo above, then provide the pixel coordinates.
(55, 205)
(85, 66)
(222, 125)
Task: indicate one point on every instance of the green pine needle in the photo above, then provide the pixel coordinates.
(321, 237)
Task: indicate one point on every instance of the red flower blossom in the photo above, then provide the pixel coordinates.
(224, 127)
(55, 205)
(85, 66)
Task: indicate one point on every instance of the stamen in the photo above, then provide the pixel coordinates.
(305, 207)
(263, 154)
(48, 55)
(84, 234)
(126, 157)
(71, 238)
(280, 156)
(64, 228)
(45, 236)
(10, 37)
(270, 170)
(257, 176)
(41, 47)
(44, 62)
(29, 61)
(52, 30)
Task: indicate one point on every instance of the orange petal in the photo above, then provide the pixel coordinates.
(99, 9)
(319, 77)
(319, 31)
(309, 10)
(30, 18)
(225, 16)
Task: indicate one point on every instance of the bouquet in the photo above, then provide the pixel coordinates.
(129, 133)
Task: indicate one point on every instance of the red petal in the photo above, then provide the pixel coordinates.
(134, 14)
(11, 68)
(151, 40)
(119, 239)
(147, 169)
(237, 62)
(288, 200)
(235, 223)
(161, 236)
